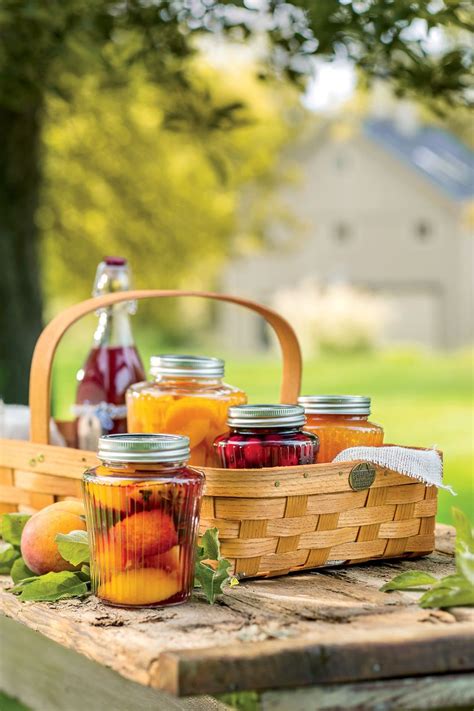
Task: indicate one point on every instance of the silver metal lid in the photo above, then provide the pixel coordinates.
(187, 366)
(335, 404)
(143, 448)
(265, 416)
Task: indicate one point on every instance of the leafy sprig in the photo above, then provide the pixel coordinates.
(212, 571)
(451, 590)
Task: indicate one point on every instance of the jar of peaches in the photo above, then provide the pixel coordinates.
(340, 421)
(142, 510)
(187, 397)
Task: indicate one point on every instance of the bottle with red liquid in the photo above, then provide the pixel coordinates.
(113, 364)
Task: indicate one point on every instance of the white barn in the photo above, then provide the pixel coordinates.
(385, 210)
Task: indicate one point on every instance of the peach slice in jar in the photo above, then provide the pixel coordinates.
(146, 411)
(145, 586)
(113, 496)
(190, 416)
(145, 533)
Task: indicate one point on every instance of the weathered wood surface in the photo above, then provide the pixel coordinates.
(46, 677)
(327, 626)
(447, 691)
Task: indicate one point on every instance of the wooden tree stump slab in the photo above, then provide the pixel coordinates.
(324, 627)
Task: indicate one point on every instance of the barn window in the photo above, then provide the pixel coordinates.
(423, 231)
(342, 232)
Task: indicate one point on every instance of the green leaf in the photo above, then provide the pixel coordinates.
(211, 580)
(211, 548)
(74, 547)
(8, 555)
(449, 592)
(12, 527)
(20, 571)
(464, 545)
(411, 580)
(51, 587)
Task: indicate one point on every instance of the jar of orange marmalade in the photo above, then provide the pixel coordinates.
(188, 397)
(142, 510)
(340, 421)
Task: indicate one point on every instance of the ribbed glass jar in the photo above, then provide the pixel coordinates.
(188, 397)
(340, 421)
(142, 510)
(266, 436)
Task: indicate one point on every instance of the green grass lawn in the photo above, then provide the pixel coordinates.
(420, 399)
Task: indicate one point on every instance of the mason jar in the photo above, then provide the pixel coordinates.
(266, 436)
(340, 421)
(186, 396)
(142, 509)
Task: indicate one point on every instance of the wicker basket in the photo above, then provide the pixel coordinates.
(271, 521)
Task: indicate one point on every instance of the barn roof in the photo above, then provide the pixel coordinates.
(435, 153)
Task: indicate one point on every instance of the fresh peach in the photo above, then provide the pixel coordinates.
(75, 506)
(38, 546)
(145, 586)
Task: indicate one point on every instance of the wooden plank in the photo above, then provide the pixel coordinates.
(47, 483)
(15, 495)
(321, 659)
(47, 677)
(299, 620)
(46, 459)
(448, 691)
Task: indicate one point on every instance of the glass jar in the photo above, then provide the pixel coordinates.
(340, 421)
(266, 436)
(142, 510)
(188, 397)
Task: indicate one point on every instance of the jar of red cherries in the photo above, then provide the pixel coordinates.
(266, 436)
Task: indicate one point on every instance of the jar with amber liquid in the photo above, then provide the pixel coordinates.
(142, 509)
(340, 421)
(188, 397)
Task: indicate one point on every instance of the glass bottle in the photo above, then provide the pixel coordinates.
(266, 436)
(188, 397)
(113, 363)
(340, 421)
(142, 510)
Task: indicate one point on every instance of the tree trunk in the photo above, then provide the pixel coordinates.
(20, 291)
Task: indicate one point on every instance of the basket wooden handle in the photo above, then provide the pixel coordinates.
(41, 365)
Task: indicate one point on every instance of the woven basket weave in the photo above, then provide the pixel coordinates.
(271, 521)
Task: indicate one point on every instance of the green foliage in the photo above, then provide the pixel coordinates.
(464, 546)
(378, 36)
(12, 527)
(20, 571)
(9, 704)
(8, 555)
(51, 587)
(451, 590)
(242, 700)
(74, 547)
(411, 580)
(448, 592)
(117, 181)
(211, 569)
(43, 41)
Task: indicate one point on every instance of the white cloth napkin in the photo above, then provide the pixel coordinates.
(15, 424)
(423, 464)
